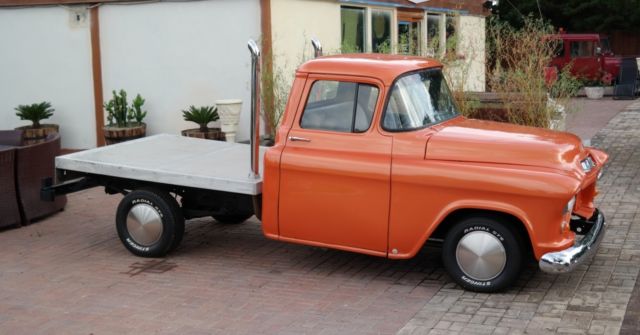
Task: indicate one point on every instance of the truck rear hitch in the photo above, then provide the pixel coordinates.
(49, 191)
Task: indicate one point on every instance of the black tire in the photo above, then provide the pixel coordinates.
(232, 218)
(486, 230)
(156, 203)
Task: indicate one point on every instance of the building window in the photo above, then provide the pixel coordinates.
(410, 33)
(353, 29)
(404, 31)
(381, 31)
(409, 38)
(367, 29)
(452, 39)
(433, 34)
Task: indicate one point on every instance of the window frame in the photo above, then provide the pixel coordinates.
(314, 77)
(354, 100)
(388, 98)
(593, 49)
(424, 27)
(364, 23)
(368, 29)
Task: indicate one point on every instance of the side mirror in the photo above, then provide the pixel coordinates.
(598, 51)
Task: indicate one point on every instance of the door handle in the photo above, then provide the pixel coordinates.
(298, 139)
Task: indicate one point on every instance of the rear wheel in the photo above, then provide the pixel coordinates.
(483, 254)
(149, 222)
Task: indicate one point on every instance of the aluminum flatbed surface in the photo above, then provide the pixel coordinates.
(174, 160)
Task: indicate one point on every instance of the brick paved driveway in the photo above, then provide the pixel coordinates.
(69, 274)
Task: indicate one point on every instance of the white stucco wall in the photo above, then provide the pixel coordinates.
(180, 54)
(472, 47)
(173, 54)
(295, 22)
(43, 58)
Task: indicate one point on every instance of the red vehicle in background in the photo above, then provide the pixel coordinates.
(589, 55)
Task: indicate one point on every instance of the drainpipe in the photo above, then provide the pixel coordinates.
(254, 141)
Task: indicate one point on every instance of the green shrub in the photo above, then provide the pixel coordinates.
(136, 112)
(201, 115)
(120, 114)
(517, 59)
(35, 112)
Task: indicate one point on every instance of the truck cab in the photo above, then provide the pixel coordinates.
(589, 55)
(372, 156)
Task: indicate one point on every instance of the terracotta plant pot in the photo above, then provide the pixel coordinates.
(114, 134)
(32, 135)
(210, 134)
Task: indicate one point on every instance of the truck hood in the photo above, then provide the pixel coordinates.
(502, 143)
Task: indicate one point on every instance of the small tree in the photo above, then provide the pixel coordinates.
(120, 114)
(202, 115)
(35, 112)
(517, 59)
(136, 112)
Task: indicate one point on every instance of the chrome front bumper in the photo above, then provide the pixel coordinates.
(566, 260)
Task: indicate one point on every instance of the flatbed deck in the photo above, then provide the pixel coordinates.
(173, 160)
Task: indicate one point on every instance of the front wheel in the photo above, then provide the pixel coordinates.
(149, 222)
(483, 254)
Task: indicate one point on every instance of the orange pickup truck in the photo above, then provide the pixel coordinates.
(372, 156)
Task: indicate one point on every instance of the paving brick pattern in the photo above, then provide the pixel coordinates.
(591, 300)
(69, 274)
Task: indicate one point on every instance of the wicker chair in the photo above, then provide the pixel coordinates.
(34, 163)
(9, 210)
(11, 138)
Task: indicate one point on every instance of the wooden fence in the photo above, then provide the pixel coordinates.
(625, 43)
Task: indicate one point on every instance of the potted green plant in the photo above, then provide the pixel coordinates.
(202, 116)
(125, 121)
(594, 89)
(36, 132)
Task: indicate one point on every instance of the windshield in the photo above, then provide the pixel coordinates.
(418, 100)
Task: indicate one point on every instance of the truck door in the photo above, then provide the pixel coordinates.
(585, 61)
(559, 59)
(335, 168)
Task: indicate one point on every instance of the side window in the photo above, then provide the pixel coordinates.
(582, 49)
(340, 106)
(558, 48)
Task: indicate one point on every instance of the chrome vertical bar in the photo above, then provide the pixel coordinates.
(255, 109)
(317, 47)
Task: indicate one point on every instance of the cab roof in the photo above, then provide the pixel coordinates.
(381, 66)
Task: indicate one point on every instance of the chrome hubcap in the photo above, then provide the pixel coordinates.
(144, 224)
(481, 255)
